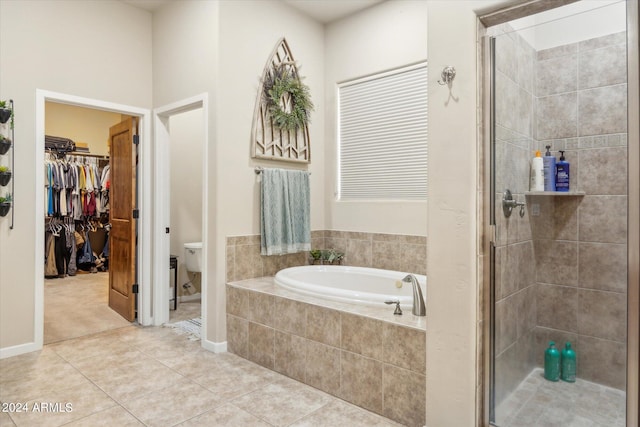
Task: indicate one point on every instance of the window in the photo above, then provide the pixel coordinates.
(382, 136)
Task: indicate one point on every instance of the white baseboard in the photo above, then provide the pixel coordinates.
(185, 298)
(27, 348)
(216, 347)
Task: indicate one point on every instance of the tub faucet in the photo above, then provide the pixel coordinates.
(418, 302)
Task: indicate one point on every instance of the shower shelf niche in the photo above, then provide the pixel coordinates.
(555, 193)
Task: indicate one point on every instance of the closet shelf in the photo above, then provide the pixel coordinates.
(555, 193)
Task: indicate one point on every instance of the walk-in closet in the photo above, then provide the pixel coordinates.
(77, 172)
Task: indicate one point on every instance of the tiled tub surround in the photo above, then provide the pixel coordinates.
(364, 355)
(561, 275)
(386, 251)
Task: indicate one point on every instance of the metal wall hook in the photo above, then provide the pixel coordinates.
(508, 203)
(448, 74)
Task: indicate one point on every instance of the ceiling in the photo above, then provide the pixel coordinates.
(323, 11)
(326, 11)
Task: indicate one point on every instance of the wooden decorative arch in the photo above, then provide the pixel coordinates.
(268, 141)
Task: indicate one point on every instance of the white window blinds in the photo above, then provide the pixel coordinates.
(383, 136)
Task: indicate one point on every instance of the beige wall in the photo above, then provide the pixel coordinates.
(185, 54)
(186, 131)
(249, 31)
(80, 125)
(61, 47)
(387, 36)
(453, 185)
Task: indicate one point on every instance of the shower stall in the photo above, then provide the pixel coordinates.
(559, 260)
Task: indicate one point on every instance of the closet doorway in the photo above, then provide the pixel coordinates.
(90, 193)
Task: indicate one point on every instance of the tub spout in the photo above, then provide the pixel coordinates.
(419, 308)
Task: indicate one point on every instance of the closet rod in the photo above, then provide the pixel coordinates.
(96, 156)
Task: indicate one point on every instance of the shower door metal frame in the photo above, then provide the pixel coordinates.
(488, 229)
(633, 219)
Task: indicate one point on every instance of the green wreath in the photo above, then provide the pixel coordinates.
(288, 99)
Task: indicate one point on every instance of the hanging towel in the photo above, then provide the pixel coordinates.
(285, 225)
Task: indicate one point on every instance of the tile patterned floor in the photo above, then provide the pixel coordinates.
(76, 306)
(541, 403)
(136, 376)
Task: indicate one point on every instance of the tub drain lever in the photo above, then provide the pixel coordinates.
(398, 310)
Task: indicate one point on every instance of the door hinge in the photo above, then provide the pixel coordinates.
(136, 139)
(135, 288)
(136, 213)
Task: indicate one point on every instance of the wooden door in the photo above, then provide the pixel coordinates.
(122, 256)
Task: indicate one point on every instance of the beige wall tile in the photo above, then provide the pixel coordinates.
(602, 110)
(261, 308)
(339, 244)
(404, 347)
(413, 258)
(237, 335)
(291, 316)
(358, 253)
(248, 262)
(556, 262)
(557, 307)
(505, 323)
(603, 67)
(592, 257)
(362, 335)
(238, 302)
(230, 263)
(602, 314)
(602, 361)
(557, 116)
(290, 355)
(604, 171)
(404, 396)
(261, 345)
(557, 75)
(598, 42)
(603, 219)
(323, 325)
(323, 367)
(526, 313)
(385, 255)
(361, 381)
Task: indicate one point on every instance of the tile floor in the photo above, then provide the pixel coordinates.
(541, 403)
(135, 376)
(116, 373)
(76, 306)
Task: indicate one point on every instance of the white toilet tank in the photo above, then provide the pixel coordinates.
(193, 256)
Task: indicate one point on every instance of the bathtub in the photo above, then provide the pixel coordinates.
(355, 285)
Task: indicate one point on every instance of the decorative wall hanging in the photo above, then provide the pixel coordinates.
(283, 105)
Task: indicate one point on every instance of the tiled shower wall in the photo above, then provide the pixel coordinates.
(561, 275)
(580, 242)
(387, 251)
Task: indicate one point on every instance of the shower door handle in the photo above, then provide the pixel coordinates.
(508, 203)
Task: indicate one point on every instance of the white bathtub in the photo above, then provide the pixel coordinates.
(355, 285)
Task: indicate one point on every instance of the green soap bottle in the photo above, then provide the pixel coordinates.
(552, 362)
(568, 364)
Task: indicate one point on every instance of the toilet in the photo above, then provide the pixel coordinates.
(193, 256)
